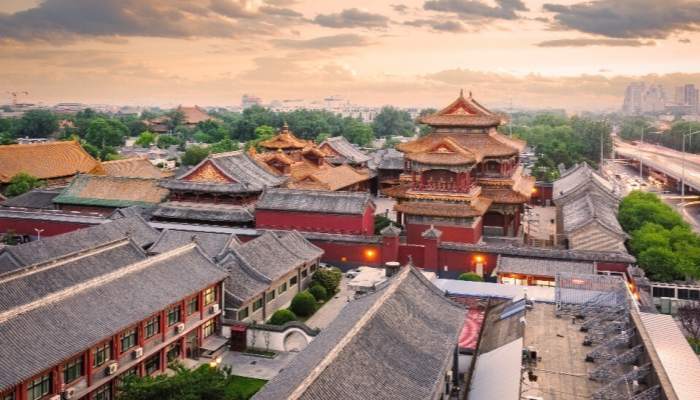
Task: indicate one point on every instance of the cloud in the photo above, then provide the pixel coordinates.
(438, 25)
(352, 18)
(628, 18)
(68, 20)
(324, 42)
(596, 42)
(400, 8)
(474, 9)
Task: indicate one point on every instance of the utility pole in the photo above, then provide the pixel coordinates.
(641, 165)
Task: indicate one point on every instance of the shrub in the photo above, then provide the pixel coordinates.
(470, 276)
(21, 183)
(319, 292)
(303, 304)
(329, 278)
(281, 317)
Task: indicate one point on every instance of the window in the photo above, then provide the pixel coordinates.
(304, 273)
(173, 351)
(173, 315)
(104, 392)
(39, 387)
(313, 268)
(663, 291)
(242, 314)
(103, 353)
(293, 281)
(128, 340)
(208, 328)
(152, 327)
(73, 370)
(257, 304)
(152, 364)
(270, 296)
(192, 305)
(209, 296)
(131, 372)
(8, 396)
(282, 288)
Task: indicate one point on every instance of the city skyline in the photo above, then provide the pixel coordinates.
(410, 53)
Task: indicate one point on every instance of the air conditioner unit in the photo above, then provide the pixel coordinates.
(138, 352)
(534, 398)
(112, 368)
(449, 375)
(69, 393)
(179, 328)
(56, 397)
(214, 309)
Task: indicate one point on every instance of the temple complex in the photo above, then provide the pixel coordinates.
(312, 167)
(463, 178)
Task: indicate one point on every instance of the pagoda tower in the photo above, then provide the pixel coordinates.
(463, 178)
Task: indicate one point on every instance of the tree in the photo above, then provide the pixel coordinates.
(425, 129)
(322, 137)
(223, 146)
(689, 316)
(381, 222)
(319, 292)
(145, 139)
(281, 317)
(175, 118)
(103, 133)
(391, 121)
(22, 183)
(203, 383)
(329, 278)
(165, 141)
(303, 304)
(262, 133)
(470, 276)
(357, 132)
(659, 263)
(194, 155)
(37, 123)
(134, 125)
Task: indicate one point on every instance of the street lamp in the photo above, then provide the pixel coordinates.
(689, 134)
(38, 233)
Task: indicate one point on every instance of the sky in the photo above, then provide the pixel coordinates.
(531, 54)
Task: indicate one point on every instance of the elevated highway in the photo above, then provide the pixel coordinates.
(664, 161)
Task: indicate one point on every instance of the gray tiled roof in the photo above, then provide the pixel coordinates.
(389, 159)
(253, 265)
(60, 245)
(581, 179)
(209, 187)
(542, 267)
(591, 208)
(213, 244)
(203, 212)
(346, 149)
(50, 332)
(27, 285)
(37, 198)
(396, 343)
(240, 167)
(314, 201)
(526, 251)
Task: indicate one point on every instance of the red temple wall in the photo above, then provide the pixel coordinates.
(104, 211)
(459, 234)
(27, 226)
(350, 253)
(316, 222)
(416, 253)
(611, 266)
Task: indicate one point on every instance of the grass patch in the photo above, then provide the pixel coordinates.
(260, 352)
(241, 387)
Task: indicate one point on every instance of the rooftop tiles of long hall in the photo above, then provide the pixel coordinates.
(562, 372)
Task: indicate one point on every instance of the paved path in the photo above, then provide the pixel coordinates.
(256, 367)
(328, 312)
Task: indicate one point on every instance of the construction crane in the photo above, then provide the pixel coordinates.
(15, 95)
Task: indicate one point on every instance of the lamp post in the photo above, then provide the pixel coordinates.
(38, 233)
(689, 134)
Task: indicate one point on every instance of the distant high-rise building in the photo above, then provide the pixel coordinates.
(634, 95)
(249, 100)
(686, 99)
(654, 99)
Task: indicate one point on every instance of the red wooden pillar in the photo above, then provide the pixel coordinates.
(200, 300)
(116, 347)
(163, 324)
(88, 367)
(183, 347)
(183, 310)
(140, 334)
(57, 379)
(22, 395)
(163, 359)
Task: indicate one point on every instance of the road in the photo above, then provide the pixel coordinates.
(665, 160)
(627, 178)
